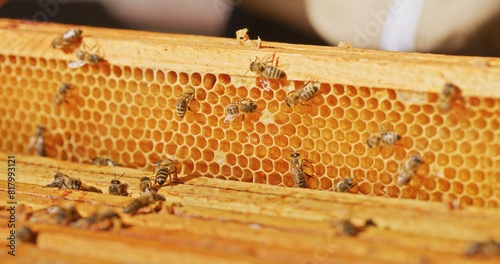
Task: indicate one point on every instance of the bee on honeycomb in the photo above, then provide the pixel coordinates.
(265, 70)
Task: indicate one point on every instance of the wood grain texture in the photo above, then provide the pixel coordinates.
(398, 70)
(221, 221)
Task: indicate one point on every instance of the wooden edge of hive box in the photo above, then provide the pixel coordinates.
(476, 76)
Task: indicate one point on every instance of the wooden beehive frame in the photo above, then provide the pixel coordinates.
(260, 216)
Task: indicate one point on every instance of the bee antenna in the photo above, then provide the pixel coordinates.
(120, 176)
(57, 168)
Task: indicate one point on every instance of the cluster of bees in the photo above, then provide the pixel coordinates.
(66, 214)
(163, 170)
(266, 70)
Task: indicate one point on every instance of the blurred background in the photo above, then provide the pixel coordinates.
(460, 27)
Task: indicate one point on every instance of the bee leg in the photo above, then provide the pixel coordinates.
(242, 118)
(306, 160)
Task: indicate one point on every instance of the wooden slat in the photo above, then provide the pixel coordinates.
(398, 70)
(235, 222)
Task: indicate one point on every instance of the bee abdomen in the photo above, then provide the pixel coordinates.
(300, 180)
(40, 149)
(273, 73)
(232, 110)
(299, 177)
(162, 175)
(309, 92)
(133, 206)
(389, 138)
(181, 108)
(113, 190)
(404, 178)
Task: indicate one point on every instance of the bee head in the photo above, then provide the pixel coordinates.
(54, 43)
(417, 159)
(78, 31)
(115, 181)
(158, 163)
(449, 89)
(40, 129)
(94, 58)
(145, 179)
(77, 184)
(249, 107)
(80, 54)
(372, 142)
(66, 86)
(252, 105)
(253, 66)
(294, 155)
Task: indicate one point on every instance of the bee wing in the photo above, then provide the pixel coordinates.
(231, 118)
(69, 34)
(31, 144)
(283, 67)
(266, 59)
(76, 64)
(265, 83)
(181, 99)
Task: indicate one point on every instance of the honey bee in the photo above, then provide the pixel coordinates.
(384, 137)
(142, 201)
(240, 108)
(450, 95)
(103, 161)
(62, 93)
(58, 214)
(344, 185)
(64, 181)
(297, 169)
(87, 56)
(67, 38)
(488, 248)
(167, 168)
(265, 70)
(65, 213)
(183, 101)
(37, 141)
(409, 168)
(26, 235)
(347, 228)
(102, 219)
(145, 186)
(118, 188)
(302, 95)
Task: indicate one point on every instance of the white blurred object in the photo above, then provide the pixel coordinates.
(400, 28)
(205, 17)
(439, 24)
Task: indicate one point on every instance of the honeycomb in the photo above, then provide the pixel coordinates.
(128, 113)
